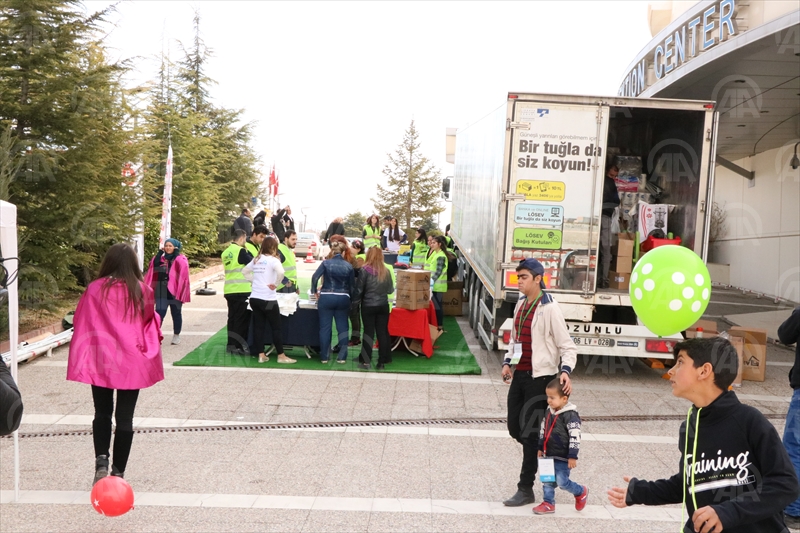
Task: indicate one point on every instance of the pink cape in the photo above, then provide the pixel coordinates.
(111, 350)
(178, 284)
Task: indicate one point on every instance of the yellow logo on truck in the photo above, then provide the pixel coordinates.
(546, 191)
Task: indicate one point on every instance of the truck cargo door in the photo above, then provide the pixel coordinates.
(555, 191)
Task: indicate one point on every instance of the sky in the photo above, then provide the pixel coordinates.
(332, 86)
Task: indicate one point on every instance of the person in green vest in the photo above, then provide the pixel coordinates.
(419, 249)
(237, 291)
(289, 261)
(437, 266)
(450, 244)
(253, 244)
(371, 234)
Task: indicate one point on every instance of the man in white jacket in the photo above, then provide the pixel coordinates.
(540, 349)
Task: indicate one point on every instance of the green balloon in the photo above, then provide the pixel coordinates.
(670, 289)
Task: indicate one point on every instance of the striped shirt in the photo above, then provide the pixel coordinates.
(525, 318)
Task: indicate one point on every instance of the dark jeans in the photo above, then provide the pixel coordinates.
(605, 247)
(101, 426)
(791, 440)
(265, 311)
(333, 307)
(436, 298)
(375, 318)
(175, 310)
(527, 402)
(355, 323)
(238, 320)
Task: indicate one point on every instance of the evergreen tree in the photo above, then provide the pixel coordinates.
(412, 185)
(64, 102)
(354, 224)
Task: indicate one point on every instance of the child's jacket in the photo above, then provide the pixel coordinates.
(741, 469)
(562, 431)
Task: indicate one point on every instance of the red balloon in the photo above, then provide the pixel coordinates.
(112, 496)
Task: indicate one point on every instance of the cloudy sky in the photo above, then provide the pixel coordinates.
(332, 86)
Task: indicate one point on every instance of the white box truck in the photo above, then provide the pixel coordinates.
(528, 182)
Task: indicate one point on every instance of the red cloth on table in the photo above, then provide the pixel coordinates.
(414, 325)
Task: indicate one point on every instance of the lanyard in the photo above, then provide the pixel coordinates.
(548, 433)
(519, 315)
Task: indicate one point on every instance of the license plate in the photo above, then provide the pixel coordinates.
(593, 341)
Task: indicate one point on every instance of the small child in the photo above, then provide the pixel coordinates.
(560, 439)
(735, 475)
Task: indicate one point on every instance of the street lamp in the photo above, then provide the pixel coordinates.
(305, 216)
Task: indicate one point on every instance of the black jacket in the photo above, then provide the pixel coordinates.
(564, 440)
(610, 196)
(10, 402)
(335, 228)
(277, 225)
(244, 222)
(789, 333)
(371, 292)
(742, 471)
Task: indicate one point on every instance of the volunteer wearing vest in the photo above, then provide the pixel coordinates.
(436, 264)
(289, 262)
(359, 256)
(253, 244)
(419, 249)
(541, 348)
(371, 235)
(237, 290)
(450, 244)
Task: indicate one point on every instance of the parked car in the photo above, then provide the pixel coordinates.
(306, 240)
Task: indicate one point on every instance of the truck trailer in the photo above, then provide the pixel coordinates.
(528, 182)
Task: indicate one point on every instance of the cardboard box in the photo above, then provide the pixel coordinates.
(452, 303)
(416, 345)
(709, 329)
(624, 245)
(738, 343)
(413, 280)
(622, 264)
(412, 300)
(619, 280)
(754, 367)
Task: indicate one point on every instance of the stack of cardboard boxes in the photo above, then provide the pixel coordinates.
(750, 344)
(619, 275)
(413, 289)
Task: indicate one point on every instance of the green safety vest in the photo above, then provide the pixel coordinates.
(235, 282)
(289, 265)
(449, 242)
(363, 257)
(420, 253)
(251, 247)
(440, 285)
(372, 237)
(394, 284)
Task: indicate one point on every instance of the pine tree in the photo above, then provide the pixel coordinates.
(63, 99)
(354, 224)
(411, 190)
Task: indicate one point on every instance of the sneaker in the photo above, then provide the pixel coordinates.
(100, 468)
(341, 361)
(176, 339)
(580, 501)
(364, 366)
(792, 522)
(544, 508)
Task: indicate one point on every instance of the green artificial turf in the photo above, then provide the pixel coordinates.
(450, 356)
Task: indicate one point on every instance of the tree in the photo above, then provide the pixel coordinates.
(411, 191)
(354, 224)
(64, 101)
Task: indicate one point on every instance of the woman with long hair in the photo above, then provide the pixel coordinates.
(168, 276)
(394, 236)
(437, 266)
(419, 249)
(359, 256)
(371, 234)
(116, 345)
(265, 272)
(333, 298)
(372, 292)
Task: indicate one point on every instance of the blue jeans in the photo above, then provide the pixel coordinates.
(162, 304)
(333, 306)
(791, 441)
(563, 481)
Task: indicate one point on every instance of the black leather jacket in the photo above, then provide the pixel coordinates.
(371, 292)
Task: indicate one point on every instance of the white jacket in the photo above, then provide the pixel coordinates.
(551, 343)
(263, 271)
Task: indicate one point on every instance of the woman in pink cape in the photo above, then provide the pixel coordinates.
(116, 344)
(168, 276)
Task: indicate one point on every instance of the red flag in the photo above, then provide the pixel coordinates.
(272, 181)
(275, 189)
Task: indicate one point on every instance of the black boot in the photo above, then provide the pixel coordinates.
(519, 499)
(100, 468)
(116, 473)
